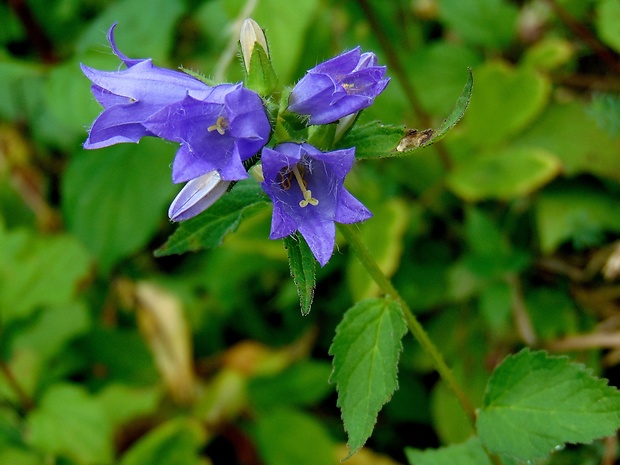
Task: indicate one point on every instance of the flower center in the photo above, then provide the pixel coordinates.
(220, 126)
(298, 173)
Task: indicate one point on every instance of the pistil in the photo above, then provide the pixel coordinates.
(220, 126)
(308, 199)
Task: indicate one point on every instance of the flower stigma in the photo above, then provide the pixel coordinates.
(298, 172)
(220, 126)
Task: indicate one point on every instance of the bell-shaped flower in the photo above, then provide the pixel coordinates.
(339, 87)
(197, 195)
(217, 132)
(132, 95)
(308, 194)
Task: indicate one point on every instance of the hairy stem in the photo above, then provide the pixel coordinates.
(361, 251)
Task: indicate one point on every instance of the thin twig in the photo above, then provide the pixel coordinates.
(586, 35)
(519, 309)
(397, 68)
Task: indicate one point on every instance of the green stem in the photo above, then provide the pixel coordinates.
(351, 235)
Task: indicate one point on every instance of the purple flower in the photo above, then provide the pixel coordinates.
(131, 96)
(217, 132)
(339, 87)
(306, 187)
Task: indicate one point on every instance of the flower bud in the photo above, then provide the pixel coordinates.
(197, 195)
(251, 33)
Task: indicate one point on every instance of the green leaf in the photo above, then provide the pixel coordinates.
(384, 238)
(115, 198)
(536, 403)
(262, 78)
(490, 23)
(605, 109)
(608, 22)
(122, 403)
(366, 349)
(38, 271)
(444, 62)
(506, 175)
(303, 269)
(209, 228)
(15, 456)
(176, 442)
(375, 140)
(70, 422)
(566, 131)
(509, 99)
(286, 436)
(467, 453)
(578, 213)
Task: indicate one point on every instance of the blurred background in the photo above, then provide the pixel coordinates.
(503, 235)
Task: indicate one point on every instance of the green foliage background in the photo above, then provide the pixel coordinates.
(502, 235)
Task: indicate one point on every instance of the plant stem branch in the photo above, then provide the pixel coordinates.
(24, 398)
(397, 68)
(351, 235)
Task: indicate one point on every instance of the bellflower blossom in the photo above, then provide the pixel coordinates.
(129, 97)
(308, 194)
(339, 87)
(218, 131)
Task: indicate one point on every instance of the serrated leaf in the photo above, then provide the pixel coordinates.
(68, 421)
(467, 453)
(536, 403)
(366, 349)
(303, 269)
(114, 198)
(209, 228)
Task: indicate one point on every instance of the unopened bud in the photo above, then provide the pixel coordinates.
(197, 195)
(251, 33)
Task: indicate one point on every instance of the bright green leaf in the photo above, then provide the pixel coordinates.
(70, 422)
(608, 22)
(303, 269)
(507, 101)
(384, 239)
(536, 403)
(209, 228)
(467, 453)
(115, 198)
(176, 442)
(578, 213)
(15, 456)
(568, 132)
(285, 436)
(549, 54)
(38, 271)
(366, 349)
(605, 109)
(373, 140)
(507, 175)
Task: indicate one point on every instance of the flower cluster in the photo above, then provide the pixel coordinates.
(221, 127)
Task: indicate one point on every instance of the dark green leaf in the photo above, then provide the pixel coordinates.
(303, 269)
(262, 78)
(114, 198)
(366, 349)
(536, 403)
(209, 228)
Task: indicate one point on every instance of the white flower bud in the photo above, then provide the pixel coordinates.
(250, 34)
(197, 195)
